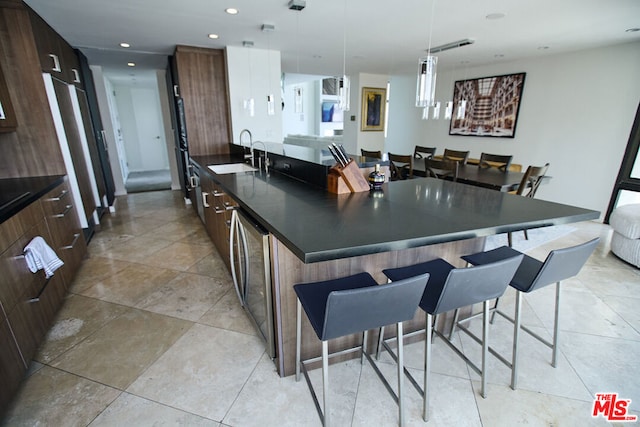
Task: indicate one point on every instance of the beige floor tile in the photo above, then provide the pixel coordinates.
(203, 373)
(227, 314)
(504, 407)
(78, 318)
(188, 296)
(131, 285)
(51, 397)
(137, 249)
(268, 400)
(178, 256)
(123, 348)
(95, 269)
(130, 410)
(213, 266)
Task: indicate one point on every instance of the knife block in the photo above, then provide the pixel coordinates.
(348, 179)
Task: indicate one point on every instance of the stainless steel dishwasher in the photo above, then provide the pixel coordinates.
(251, 272)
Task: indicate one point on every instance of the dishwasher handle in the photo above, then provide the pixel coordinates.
(235, 225)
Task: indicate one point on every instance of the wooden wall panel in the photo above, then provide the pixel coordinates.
(202, 79)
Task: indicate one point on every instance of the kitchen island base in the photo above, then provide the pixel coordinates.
(288, 270)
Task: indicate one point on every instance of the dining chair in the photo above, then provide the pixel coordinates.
(420, 152)
(528, 187)
(441, 169)
(401, 166)
(449, 289)
(495, 161)
(559, 265)
(459, 156)
(350, 305)
(372, 154)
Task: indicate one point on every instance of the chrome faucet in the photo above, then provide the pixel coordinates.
(266, 159)
(248, 132)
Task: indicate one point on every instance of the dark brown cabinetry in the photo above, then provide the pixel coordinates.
(218, 207)
(57, 57)
(8, 120)
(29, 301)
(201, 82)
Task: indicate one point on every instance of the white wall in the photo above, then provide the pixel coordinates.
(254, 73)
(300, 123)
(576, 113)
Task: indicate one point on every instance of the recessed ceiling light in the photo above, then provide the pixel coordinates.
(497, 15)
(131, 64)
(231, 11)
(123, 44)
(498, 55)
(543, 47)
(213, 36)
(632, 30)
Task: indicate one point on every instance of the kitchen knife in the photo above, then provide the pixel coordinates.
(335, 155)
(345, 160)
(344, 153)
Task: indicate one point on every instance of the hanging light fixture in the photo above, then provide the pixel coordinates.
(271, 99)
(344, 83)
(249, 103)
(427, 66)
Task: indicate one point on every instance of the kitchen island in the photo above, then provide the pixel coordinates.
(316, 235)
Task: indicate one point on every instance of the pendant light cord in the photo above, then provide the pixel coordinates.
(344, 41)
(433, 8)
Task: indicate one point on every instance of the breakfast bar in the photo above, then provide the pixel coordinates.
(316, 235)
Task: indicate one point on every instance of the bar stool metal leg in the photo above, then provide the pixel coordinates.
(516, 339)
(298, 338)
(427, 366)
(400, 376)
(556, 327)
(485, 346)
(325, 383)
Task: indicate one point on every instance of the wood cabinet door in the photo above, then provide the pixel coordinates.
(202, 85)
(8, 121)
(48, 45)
(12, 367)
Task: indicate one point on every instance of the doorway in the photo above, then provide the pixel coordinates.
(142, 133)
(627, 187)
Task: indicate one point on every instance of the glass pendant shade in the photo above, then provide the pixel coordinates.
(448, 111)
(436, 111)
(344, 92)
(426, 85)
(250, 106)
(425, 113)
(271, 105)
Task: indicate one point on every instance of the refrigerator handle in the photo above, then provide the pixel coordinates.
(232, 232)
(245, 261)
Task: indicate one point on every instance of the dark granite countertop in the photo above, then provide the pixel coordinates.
(17, 193)
(319, 226)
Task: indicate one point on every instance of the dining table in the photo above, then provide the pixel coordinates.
(492, 178)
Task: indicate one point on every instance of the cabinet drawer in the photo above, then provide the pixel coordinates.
(16, 278)
(12, 367)
(17, 225)
(32, 315)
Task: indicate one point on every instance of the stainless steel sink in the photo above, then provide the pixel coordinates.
(232, 168)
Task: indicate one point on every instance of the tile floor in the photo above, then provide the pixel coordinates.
(151, 334)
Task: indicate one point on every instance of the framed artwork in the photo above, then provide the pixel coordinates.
(331, 112)
(374, 101)
(487, 106)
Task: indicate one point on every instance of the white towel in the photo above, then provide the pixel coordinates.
(40, 256)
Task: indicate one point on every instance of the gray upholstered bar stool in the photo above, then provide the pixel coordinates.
(450, 288)
(350, 305)
(560, 264)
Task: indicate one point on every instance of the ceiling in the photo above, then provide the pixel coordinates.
(374, 36)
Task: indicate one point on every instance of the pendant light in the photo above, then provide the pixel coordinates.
(249, 103)
(271, 100)
(344, 82)
(427, 66)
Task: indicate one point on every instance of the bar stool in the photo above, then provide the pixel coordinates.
(560, 264)
(450, 288)
(350, 305)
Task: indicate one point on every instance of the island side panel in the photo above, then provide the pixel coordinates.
(289, 270)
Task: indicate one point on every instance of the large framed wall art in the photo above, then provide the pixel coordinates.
(373, 108)
(487, 106)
